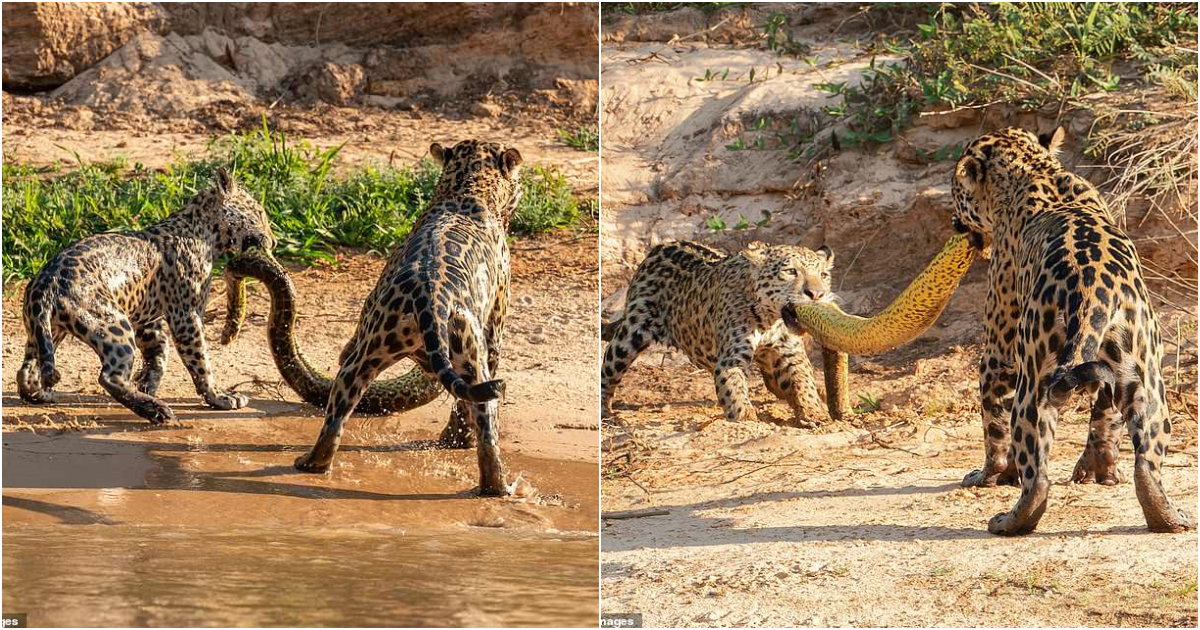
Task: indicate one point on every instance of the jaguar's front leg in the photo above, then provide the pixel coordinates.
(788, 374)
(997, 388)
(733, 360)
(187, 328)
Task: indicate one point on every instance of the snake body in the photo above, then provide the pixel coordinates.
(402, 393)
(909, 315)
(837, 382)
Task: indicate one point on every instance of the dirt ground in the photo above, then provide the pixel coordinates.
(862, 522)
(38, 134)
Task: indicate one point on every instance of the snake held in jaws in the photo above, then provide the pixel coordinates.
(909, 315)
(401, 393)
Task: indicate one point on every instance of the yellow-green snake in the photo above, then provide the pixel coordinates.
(402, 393)
(909, 315)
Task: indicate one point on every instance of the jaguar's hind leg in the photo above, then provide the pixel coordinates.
(36, 378)
(111, 335)
(1034, 420)
(458, 432)
(470, 360)
(1149, 424)
(629, 340)
(360, 365)
(29, 379)
(1098, 462)
(152, 342)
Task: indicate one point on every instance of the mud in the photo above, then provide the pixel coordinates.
(139, 576)
(84, 473)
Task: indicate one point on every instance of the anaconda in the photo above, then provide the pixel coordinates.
(909, 315)
(402, 393)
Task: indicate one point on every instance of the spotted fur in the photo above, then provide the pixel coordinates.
(118, 291)
(441, 301)
(1067, 310)
(724, 312)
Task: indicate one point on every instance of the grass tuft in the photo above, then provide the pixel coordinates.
(582, 138)
(313, 209)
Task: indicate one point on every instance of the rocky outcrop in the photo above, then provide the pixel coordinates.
(48, 43)
(175, 59)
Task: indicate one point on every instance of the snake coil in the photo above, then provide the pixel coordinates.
(404, 392)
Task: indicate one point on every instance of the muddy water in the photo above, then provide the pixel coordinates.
(161, 576)
(206, 523)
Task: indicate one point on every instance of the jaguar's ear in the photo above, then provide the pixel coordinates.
(755, 251)
(510, 161)
(827, 253)
(439, 153)
(1053, 142)
(970, 171)
(224, 181)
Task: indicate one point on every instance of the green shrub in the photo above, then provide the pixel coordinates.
(312, 209)
(973, 55)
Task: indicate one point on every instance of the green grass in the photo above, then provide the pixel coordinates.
(868, 403)
(313, 207)
(582, 138)
(1027, 55)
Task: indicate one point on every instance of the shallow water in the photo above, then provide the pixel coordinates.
(125, 575)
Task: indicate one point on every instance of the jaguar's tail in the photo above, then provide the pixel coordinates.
(457, 341)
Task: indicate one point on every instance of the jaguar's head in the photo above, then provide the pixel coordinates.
(489, 172)
(240, 220)
(989, 171)
(786, 275)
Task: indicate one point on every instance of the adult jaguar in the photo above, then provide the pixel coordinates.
(1067, 309)
(441, 301)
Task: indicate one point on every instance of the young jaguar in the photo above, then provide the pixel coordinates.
(441, 302)
(117, 291)
(724, 311)
(1066, 309)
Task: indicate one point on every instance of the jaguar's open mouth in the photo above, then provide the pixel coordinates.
(975, 238)
(789, 318)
